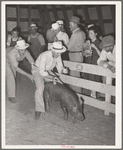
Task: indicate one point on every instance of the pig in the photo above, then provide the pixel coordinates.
(68, 99)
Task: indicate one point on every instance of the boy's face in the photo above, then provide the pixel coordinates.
(21, 51)
(109, 48)
(56, 55)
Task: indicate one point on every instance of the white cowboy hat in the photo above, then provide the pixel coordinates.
(33, 25)
(58, 47)
(55, 26)
(21, 44)
(60, 22)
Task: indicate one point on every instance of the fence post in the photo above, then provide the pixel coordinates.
(108, 97)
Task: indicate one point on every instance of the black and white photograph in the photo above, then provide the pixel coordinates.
(61, 75)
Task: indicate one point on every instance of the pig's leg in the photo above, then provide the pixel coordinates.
(65, 111)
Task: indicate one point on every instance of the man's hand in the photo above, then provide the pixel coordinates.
(111, 68)
(55, 80)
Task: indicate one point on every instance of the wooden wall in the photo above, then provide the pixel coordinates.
(45, 15)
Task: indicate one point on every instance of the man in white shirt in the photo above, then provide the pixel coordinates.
(44, 63)
(107, 57)
(61, 36)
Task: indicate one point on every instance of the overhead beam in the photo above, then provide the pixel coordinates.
(112, 8)
(85, 10)
(55, 12)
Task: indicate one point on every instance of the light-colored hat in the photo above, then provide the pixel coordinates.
(55, 26)
(90, 25)
(58, 47)
(107, 41)
(60, 22)
(21, 44)
(33, 25)
(75, 20)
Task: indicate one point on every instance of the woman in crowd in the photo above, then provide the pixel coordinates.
(92, 59)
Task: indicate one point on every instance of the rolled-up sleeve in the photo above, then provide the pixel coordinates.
(12, 60)
(59, 64)
(41, 40)
(29, 57)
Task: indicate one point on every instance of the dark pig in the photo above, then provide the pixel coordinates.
(69, 101)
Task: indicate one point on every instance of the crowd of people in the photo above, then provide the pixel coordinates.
(46, 54)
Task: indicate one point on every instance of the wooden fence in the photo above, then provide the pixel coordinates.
(107, 88)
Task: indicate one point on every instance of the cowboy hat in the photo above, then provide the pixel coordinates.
(33, 25)
(58, 47)
(107, 41)
(60, 22)
(21, 44)
(55, 26)
(75, 19)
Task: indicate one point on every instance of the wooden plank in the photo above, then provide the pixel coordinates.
(91, 85)
(113, 13)
(85, 11)
(55, 12)
(64, 13)
(24, 19)
(29, 14)
(88, 68)
(74, 10)
(18, 15)
(47, 14)
(98, 104)
(100, 18)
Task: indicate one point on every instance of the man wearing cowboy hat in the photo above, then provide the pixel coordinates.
(44, 63)
(76, 45)
(107, 56)
(18, 53)
(36, 40)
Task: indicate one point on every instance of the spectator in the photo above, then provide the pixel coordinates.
(46, 62)
(12, 39)
(61, 36)
(107, 56)
(61, 24)
(75, 46)
(37, 42)
(92, 59)
(17, 54)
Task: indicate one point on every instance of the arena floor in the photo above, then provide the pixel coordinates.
(22, 129)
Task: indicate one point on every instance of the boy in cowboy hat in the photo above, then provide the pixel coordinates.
(76, 45)
(44, 63)
(36, 40)
(61, 24)
(107, 56)
(18, 53)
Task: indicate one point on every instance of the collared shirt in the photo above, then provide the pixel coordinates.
(40, 38)
(107, 58)
(62, 36)
(77, 39)
(13, 57)
(46, 62)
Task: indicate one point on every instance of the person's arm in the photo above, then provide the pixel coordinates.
(98, 52)
(29, 58)
(14, 65)
(8, 40)
(59, 65)
(71, 42)
(65, 39)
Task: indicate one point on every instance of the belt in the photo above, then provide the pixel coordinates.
(75, 51)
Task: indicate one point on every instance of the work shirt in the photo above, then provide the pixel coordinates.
(62, 36)
(46, 62)
(14, 57)
(77, 39)
(107, 58)
(40, 38)
(12, 41)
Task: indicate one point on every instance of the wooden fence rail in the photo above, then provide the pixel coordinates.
(107, 88)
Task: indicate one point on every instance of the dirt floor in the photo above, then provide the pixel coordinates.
(51, 129)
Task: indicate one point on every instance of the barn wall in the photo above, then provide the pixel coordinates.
(45, 15)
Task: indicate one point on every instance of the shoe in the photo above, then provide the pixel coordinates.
(12, 99)
(37, 114)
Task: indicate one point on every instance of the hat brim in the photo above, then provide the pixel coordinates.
(75, 22)
(59, 51)
(24, 47)
(102, 46)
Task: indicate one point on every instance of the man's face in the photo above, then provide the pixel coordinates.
(33, 30)
(72, 26)
(109, 48)
(56, 55)
(21, 51)
(15, 34)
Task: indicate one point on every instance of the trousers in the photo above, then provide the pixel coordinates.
(10, 80)
(39, 82)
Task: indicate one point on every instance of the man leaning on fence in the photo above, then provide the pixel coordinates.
(107, 56)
